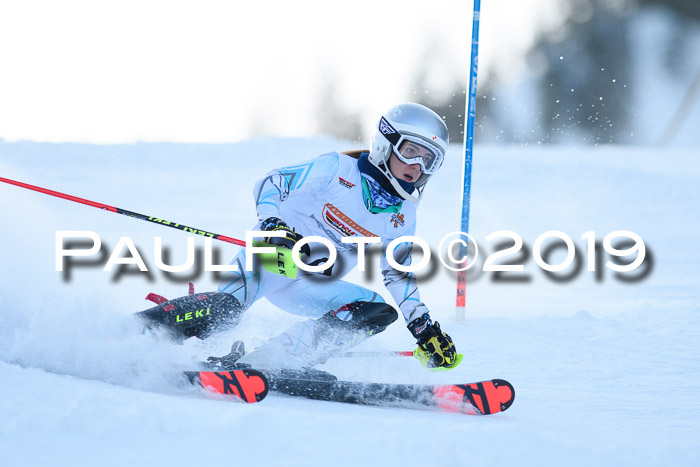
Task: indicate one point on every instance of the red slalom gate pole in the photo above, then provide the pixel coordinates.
(135, 215)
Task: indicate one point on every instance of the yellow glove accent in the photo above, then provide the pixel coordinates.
(438, 351)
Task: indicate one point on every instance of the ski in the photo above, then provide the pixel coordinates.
(245, 384)
(221, 375)
(481, 398)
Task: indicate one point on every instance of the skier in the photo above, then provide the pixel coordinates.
(371, 193)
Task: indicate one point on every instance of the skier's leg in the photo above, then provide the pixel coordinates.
(249, 286)
(361, 314)
(193, 315)
(203, 313)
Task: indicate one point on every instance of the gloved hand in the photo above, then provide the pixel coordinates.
(434, 346)
(272, 224)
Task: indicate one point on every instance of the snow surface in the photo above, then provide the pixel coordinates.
(606, 372)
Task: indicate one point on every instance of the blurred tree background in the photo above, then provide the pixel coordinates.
(585, 84)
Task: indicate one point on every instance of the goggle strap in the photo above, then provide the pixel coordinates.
(389, 131)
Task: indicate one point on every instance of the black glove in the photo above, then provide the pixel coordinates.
(272, 224)
(434, 346)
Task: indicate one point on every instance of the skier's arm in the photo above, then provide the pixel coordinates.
(302, 179)
(402, 285)
(435, 347)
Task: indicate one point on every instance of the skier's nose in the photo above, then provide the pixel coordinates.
(414, 168)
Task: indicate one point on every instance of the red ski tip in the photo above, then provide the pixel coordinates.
(484, 398)
(248, 385)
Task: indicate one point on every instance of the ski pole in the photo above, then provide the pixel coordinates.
(135, 215)
(400, 353)
(389, 353)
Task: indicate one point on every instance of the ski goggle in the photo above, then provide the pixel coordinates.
(412, 151)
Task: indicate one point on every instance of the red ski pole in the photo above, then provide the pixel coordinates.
(399, 353)
(135, 215)
(389, 353)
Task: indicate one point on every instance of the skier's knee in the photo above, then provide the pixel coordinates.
(368, 316)
(194, 315)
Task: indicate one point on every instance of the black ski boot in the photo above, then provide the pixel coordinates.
(227, 362)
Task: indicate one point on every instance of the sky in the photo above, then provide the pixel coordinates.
(220, 71)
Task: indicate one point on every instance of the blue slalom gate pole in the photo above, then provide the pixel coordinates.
(468, 150)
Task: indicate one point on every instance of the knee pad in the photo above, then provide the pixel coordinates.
(196, 315)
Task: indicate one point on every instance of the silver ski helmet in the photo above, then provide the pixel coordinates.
(416, 124)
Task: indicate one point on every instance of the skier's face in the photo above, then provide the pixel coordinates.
(402, 171)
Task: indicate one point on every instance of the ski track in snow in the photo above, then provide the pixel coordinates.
(605, 373)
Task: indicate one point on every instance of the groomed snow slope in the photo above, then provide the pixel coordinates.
(606, 371)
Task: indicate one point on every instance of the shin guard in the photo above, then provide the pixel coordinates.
(195, 315)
